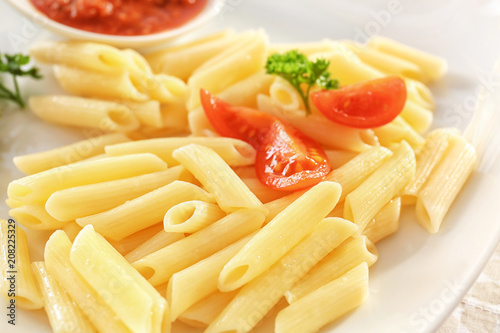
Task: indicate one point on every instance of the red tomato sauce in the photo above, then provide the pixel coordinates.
(121, 17)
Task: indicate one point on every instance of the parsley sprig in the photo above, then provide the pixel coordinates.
(16, 65)
(298, 70)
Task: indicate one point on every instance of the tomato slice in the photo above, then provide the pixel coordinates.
(236, 122)
(290, 160)
(366, 104)
(286, 158)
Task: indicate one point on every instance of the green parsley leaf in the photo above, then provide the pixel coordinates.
(300, 71)
(16, 65)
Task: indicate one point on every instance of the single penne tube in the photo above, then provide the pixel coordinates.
(342, 259)
(420, 94)
(205, 311)
(41, 161)
(147, 113)
(435, 146)
(191, 285)
(385, 222)
(158, 267)
(144, 211)
(129, 243)
(260, 295)
(191, 216)
(37, 188)
(321, 129)
(57, 261)
(81, 82)
(397, 131)
(245, 57)
(234, 152)
(285, 96)
(277, 206)
(64, 315)
(261, 191)
(380, 187)
(432, 66)
(12, 203)
(280, 235)
(35, 216)
(152, 244)
(17, 282)
(338, 157)
(325, 304)
(134, 301)
(182, 60)
(84, 112)
(217, 177)
(80, 201)
(85, 55)
(385, 62)
(444, 183)
(357, 170)
(418, 117)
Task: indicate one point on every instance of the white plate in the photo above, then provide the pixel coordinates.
(419, 278)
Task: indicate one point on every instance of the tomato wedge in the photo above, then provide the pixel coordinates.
(290, 160)
(366, 104)
(237, 122)
(286, 158)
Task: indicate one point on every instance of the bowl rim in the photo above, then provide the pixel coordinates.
(27, 8)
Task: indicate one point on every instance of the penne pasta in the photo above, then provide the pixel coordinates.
(159, 266)
(444, 183)
(35, 216)
(17, 282)
(358, 169)
(245, 57)
(234, 152)
(280, 235)
(129, 243)
(325, 304)
(432, 66)
(262, 192)
(84, 112)
(397, 131)
(191, 285)
(131, 298)
(418, 117)
(85, 55)
(99, 85)
(147, 113)
(205, 311)
(436, 144)
(57, 260)
(80, 201)
(191, 216)
(258, 297)
(64, 315)
(81, 150)
(218, 178)
(38, 188)
(181, 61)
(385, 222)
(351, 253)
(152, 244)
(144, 211)
(380, 187)
(338, 158)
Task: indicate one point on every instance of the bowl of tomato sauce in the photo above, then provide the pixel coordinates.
(126, 23)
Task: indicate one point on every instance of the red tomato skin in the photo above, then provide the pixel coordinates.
(284, 150)
(366, 104)
(236, 122)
